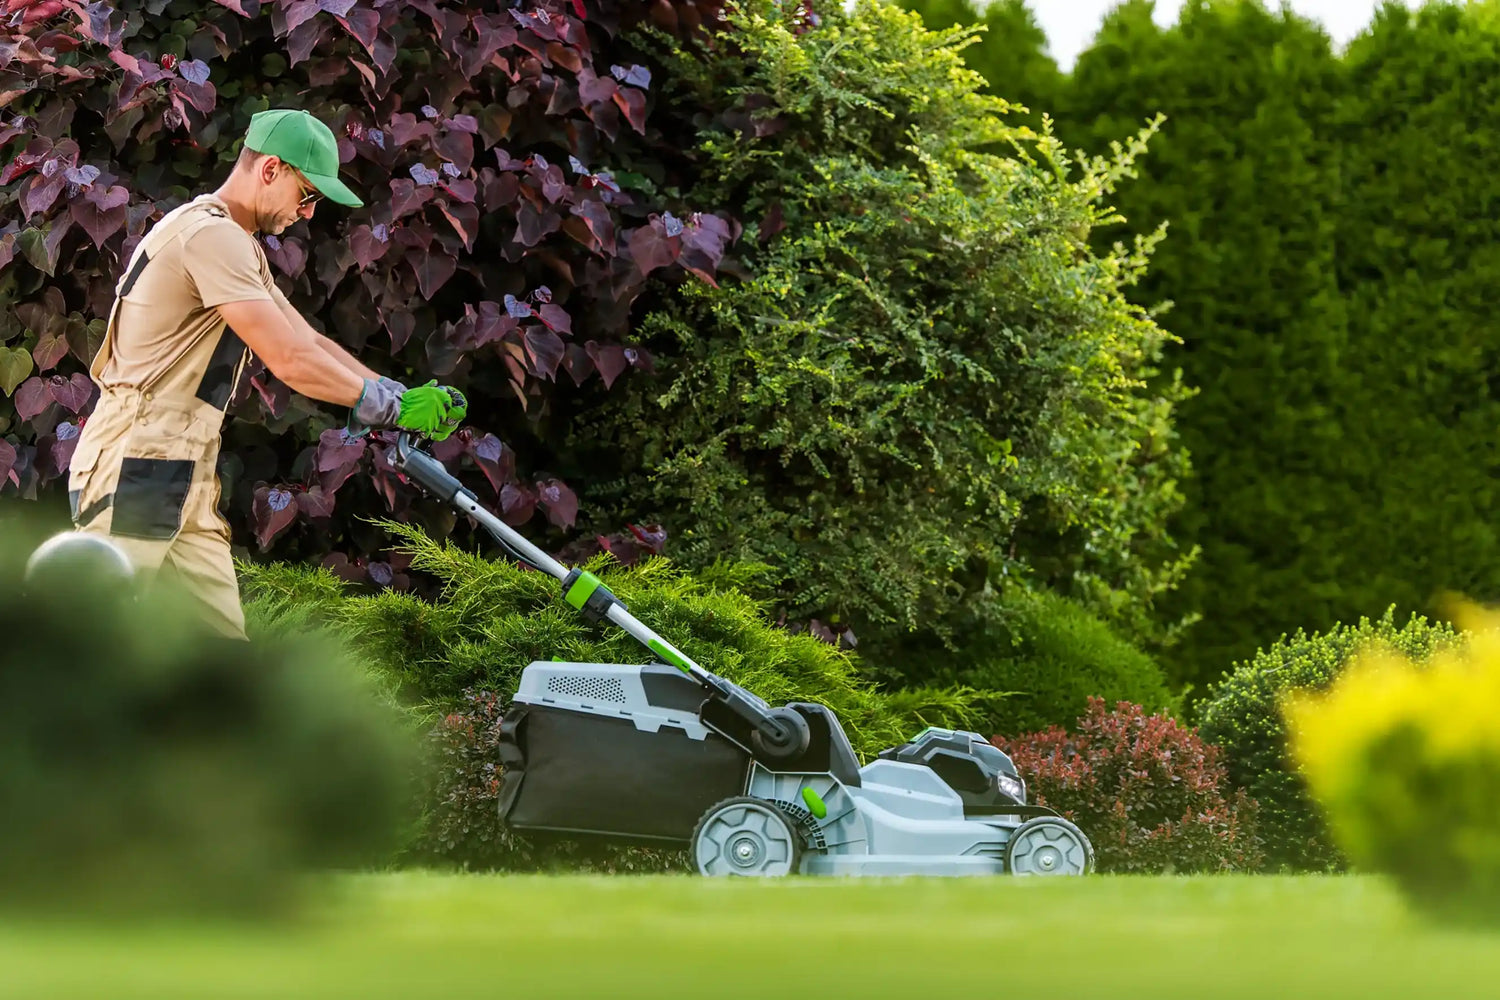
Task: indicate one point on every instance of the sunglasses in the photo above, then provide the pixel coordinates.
(309, 197)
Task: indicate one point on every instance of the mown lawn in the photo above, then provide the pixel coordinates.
(426, 935)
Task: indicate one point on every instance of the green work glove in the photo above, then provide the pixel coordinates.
(431, 410)
(458, 408)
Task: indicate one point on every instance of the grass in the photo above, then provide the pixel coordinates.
(423, 935)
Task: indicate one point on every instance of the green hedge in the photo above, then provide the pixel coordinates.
(1242, 715)
(1039, 657)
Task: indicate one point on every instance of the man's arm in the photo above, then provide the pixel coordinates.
(295, 354)
(332, 349)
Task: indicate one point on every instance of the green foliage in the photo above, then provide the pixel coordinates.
(148, 767)
(926, 378)
(1039, 657)
(1242, 716)
(1010, 53)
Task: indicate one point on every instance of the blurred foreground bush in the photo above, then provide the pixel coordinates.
(146, 766)
(456, 661)
(1404, 757)
(1150, 794)
(1241, 715)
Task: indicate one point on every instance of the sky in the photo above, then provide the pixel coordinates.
(1070, 24)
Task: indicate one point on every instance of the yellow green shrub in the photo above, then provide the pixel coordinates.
(1404, 759)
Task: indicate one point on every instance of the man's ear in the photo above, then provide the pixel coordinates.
(268, 165)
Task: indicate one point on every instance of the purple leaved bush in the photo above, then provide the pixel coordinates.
(507, 241)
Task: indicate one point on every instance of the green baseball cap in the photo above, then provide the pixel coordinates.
(297, 138)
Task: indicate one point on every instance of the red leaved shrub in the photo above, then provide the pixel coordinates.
(519, 164)
(1150, 793)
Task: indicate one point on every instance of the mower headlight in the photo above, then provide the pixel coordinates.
(1012, 786)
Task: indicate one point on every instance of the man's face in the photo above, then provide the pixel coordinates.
(286, 196)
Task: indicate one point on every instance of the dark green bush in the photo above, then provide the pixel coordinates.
(1245, 175)
(1242, 715)
(926, 378)
(145, 766)
(1039, 657)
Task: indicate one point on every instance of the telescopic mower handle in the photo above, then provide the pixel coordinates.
(782, 732)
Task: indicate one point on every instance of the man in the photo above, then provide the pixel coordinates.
(196, 299)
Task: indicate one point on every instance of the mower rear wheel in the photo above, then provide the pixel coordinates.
(1048, 845)
(746, 836)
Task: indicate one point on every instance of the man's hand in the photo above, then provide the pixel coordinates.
(431, 410)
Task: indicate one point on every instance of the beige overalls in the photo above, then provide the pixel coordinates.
(144, 471)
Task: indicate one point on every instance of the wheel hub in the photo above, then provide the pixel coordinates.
(745, 851)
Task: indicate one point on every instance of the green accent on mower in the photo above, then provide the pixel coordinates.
(814, 802)
(668, 653)
(583, 588)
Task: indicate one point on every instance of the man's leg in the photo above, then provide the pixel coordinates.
(200, 562)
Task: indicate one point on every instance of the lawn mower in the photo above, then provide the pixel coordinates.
(670, 754)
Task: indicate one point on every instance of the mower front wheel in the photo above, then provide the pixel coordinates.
(746, 836)
(1048, 845)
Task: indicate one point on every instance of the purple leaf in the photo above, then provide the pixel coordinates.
(336, 449)
(578, 168)
(650, 248)
(497, 462)
(362, 24)
(73, 393)
(560, 502)
(673, 224)
(545, 349)
(450, 169)
(32, 398)
(194, 71)
(338, 8)
(556, 318)
(609, 359)
(636, 76)
(652, 536)
(376, 136)
(517, 504)
(516, 308)
(600, 224)
(432, 270)
(315, 503)
(7, 461)
(429, 111)
(101, 213)
(381, 574)
(86, 174)
(423, 174)
(368, 245)
(49, 350)
(273, 511)
(406, 197)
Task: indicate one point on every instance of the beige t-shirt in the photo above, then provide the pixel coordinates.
(170, 306)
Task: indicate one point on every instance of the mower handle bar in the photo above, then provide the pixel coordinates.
(416, 464)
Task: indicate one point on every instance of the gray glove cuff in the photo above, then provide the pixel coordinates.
(379, 406)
